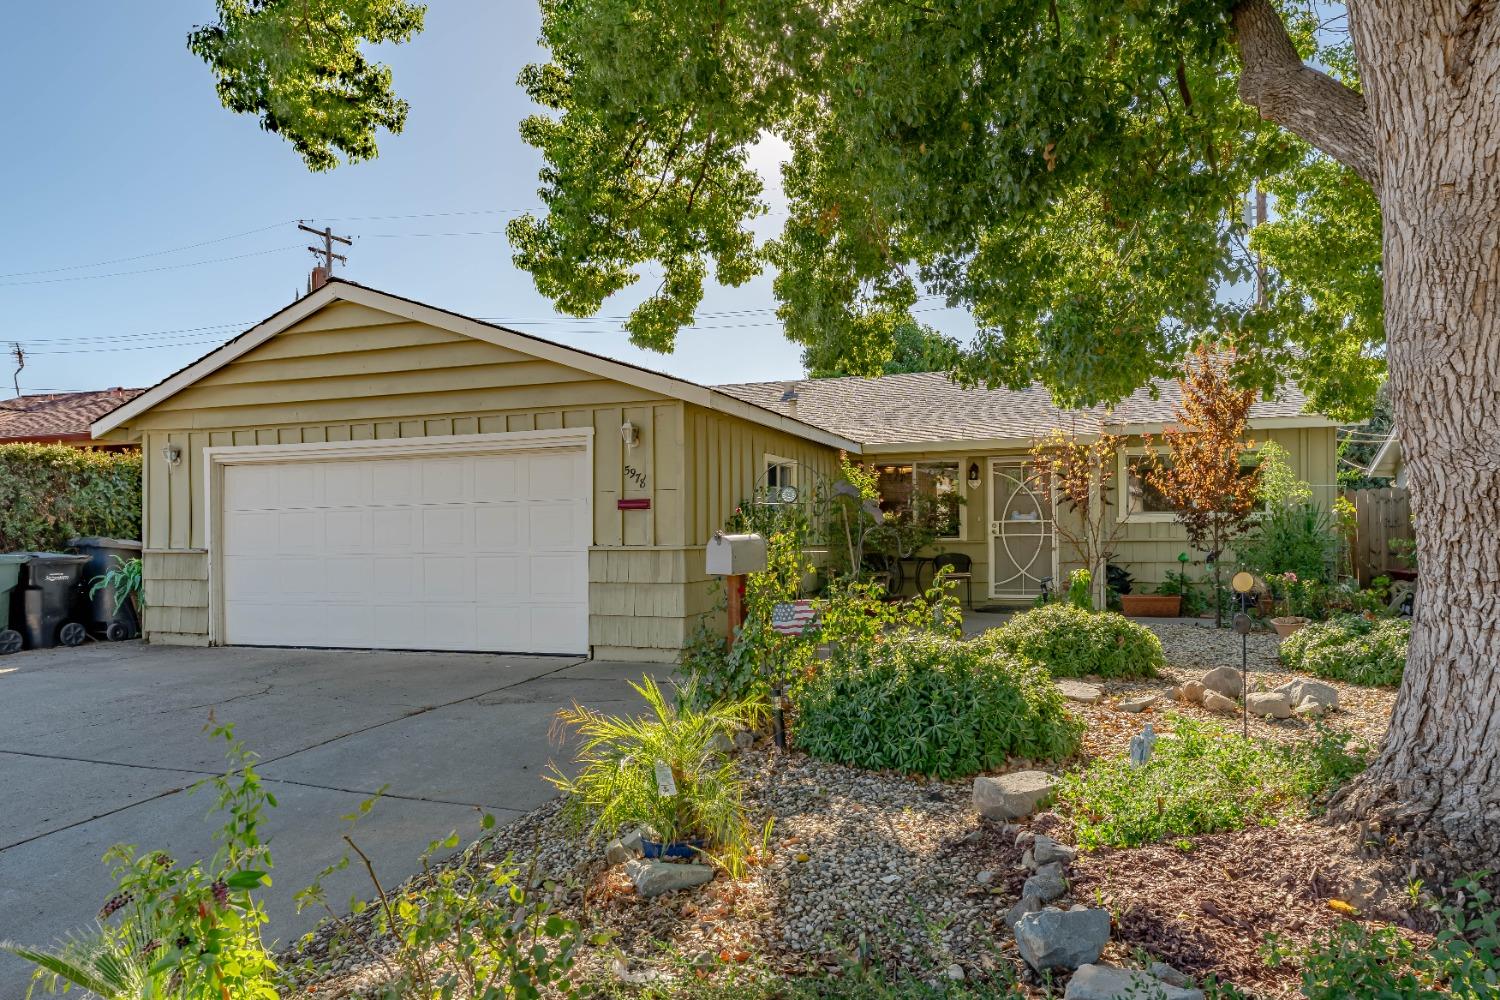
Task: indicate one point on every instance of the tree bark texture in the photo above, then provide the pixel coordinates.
(1430, 74)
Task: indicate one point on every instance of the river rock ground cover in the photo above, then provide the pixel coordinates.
(881, 868)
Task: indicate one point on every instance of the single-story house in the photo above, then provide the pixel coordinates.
(60, 417)
(363, 470)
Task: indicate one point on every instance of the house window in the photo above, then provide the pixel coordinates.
(937, 481)
(780, 481)
(1143, 501)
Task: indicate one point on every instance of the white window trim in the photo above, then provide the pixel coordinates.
(1122, 484)
(769, 459)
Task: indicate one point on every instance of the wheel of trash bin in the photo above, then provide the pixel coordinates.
(116, 631)
(72, 634)
(10, 641)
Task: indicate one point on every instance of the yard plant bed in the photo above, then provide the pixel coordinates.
(890, 871)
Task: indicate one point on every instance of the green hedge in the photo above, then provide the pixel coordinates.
(1351, 648)
(50, 493)
(932, 705)
(1072, 642)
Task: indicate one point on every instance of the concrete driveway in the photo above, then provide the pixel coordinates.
(99, 745)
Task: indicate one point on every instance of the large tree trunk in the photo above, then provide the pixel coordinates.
(1425, 132)
(1432, 85)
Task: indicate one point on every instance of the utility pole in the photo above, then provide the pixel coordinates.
(325, 270)
(19, 353)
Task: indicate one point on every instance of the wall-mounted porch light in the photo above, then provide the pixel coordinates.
(973, 475)
(630, 434)
(172, 453)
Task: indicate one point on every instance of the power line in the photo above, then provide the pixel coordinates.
(147, 270)
(152, 253)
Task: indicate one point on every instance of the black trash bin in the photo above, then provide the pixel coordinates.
(108, 616)
(46, 607)
(10, 575)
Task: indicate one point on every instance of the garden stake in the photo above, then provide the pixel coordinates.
(779, 715)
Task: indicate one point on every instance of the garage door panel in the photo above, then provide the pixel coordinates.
(483, 552)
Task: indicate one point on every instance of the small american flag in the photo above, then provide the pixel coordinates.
(793, 618)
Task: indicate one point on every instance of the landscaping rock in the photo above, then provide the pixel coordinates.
(1216, 702)
(1225, 680)
(1025, 905)
(1168, 975)
(1079, 691)
(625, 848)
(721, 743)
(1012, 796)
(1138, 703)
(1062, 939)
(744, 739)
(1045, 886)
(1298, 691)
(653, 878)
(1106, 982)
(1192, 691)
(1272, 703)
(1028, 860)
(956, 972)
(1046, 851)
(1310, 707)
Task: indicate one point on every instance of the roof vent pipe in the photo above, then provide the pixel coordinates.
(790, 399)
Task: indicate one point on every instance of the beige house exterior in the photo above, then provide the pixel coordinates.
(364, 470)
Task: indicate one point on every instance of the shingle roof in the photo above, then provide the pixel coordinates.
(59, 415)
(930, 407)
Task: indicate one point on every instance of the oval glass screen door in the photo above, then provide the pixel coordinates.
(1021, 532)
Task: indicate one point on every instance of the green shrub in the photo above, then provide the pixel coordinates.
(1354, 960)
(1072, 642)
(1202, 778)
(1351, 648)
(50, 493)
(933, 705)
(1299, 538)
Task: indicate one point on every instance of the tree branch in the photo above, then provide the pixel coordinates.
(1313, 105)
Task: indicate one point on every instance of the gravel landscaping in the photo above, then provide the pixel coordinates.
(878, 867)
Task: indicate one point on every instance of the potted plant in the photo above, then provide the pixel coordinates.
(666, 774)
(1286, 623)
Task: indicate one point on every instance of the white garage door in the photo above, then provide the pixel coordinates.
(469, 552)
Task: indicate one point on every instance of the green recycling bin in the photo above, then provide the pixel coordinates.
(10, 573)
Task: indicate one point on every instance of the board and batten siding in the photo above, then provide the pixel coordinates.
(351, 373)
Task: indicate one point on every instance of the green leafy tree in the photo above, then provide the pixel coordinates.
(1075, 174)
(912, 348)
(298, 66)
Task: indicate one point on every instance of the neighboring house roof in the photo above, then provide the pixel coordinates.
(1388, 460)
(928, 409)
(340, 290)
(57, 416)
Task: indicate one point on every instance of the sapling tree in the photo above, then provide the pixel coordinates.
(1080, 473)
(1199, 470)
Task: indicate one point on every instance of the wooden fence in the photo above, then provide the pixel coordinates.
(1381, 517)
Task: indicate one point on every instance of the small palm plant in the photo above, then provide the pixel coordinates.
(620, 757)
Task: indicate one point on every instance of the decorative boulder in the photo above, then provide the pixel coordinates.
(625, 848)
(1138, 703)
(1192, 691)
(1225, 680)
(1299, 691)
(1013, 796)
(653, 878)
(1062, 939)
(1216, 702)
(1044, 886)
(1272, 703)
(1106, 982)
(1025, 905)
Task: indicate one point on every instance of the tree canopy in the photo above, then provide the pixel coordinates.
(298, 66)
(1075, 174)
(908, 347)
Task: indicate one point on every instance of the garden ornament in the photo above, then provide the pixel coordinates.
(1141, 746)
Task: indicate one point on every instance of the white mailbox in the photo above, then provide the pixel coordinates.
(734, 555)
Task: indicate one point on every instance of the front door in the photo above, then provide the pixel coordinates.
(1022, 543)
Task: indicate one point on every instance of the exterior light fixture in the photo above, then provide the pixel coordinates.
(630, 434)
(172, 453)
(973, 475)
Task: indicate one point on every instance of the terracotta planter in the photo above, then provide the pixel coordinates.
(1151, 605)
(1287, 625)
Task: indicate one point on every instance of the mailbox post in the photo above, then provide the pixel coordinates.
(733, 556)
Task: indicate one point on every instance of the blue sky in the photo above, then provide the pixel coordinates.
(117, 148)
